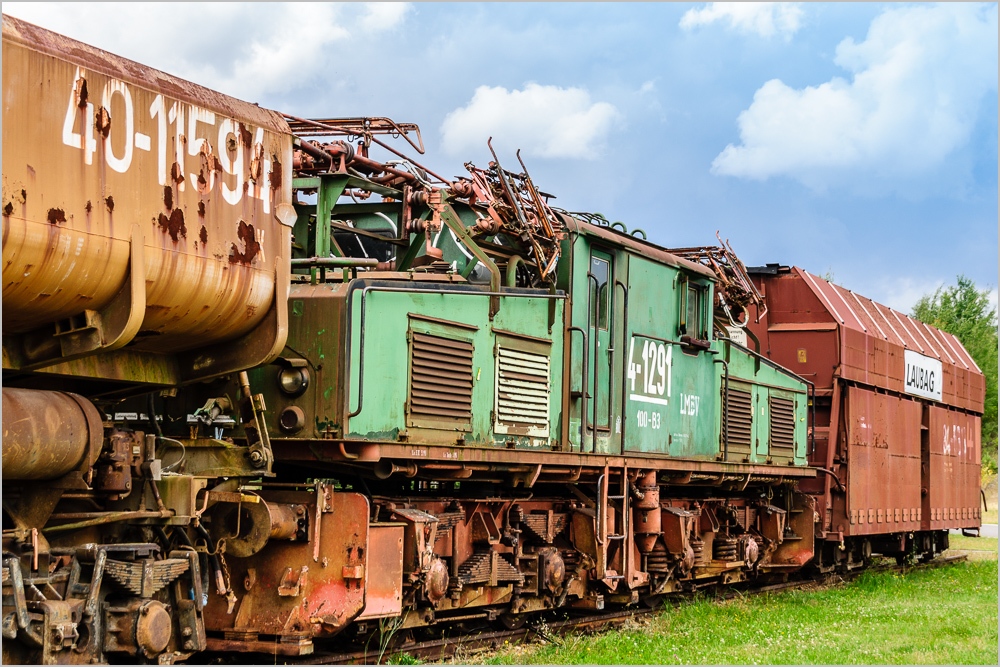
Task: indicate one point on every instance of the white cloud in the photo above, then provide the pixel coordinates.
(545, 121)
(901, 294)
(918, 81)
(248, 50)
(279, 59)
(761, 18)
(383, 16)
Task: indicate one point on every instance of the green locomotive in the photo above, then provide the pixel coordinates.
(519, 409)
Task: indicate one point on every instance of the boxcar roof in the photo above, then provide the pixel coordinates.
(862, 314)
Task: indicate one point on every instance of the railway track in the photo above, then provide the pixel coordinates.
(549, 629)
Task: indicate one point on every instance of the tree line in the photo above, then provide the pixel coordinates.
(965, 311)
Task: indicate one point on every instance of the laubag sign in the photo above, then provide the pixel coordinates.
(923, 376)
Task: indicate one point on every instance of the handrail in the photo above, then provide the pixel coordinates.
(510, 280)
(597, 326)
(336, 262)
(725, 408)
(583, 382)
(625, 362)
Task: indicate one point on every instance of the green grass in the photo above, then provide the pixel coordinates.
(962, 543)
(989, 486)
(941, 616)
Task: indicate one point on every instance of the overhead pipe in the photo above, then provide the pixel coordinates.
(335, 262)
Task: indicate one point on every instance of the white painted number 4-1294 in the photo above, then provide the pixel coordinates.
(649, 376)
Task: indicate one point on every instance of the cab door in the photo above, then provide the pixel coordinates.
(600, 300)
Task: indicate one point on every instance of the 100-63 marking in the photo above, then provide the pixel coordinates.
(649, 419)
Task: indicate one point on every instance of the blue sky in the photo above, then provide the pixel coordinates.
(858, 139)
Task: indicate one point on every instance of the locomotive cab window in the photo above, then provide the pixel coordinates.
(600, 269)
(692, 321)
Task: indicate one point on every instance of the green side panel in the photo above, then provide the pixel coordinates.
(761, 424)
(421, 352)
(776, 410)
(669, 406)
(315, 340)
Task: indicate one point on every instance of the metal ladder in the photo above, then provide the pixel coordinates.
(604, 539)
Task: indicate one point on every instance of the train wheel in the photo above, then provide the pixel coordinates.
(653, 601)
(513, 621)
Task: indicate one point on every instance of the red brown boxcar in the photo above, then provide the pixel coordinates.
(897, 414)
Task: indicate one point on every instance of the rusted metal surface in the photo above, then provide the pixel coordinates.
(250, 525)
(553, 463)
(335, 156)
(137, 207)
(883, 464)
(46, 434)
(353, 128)
(511, 204)
(952, 499)
(384, 585)
(301, 589)
(875, 345)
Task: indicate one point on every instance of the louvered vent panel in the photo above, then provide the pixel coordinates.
(782, 425)
(522, 392)
(739, 420)
(440, 378)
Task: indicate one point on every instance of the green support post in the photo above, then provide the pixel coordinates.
(330, 188)
(451, 218)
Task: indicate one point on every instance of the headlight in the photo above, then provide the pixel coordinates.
(292, 419)
(293, 381)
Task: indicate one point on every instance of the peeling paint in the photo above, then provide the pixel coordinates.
(82, 94)
(245, 136)
(102, 122)
(275, 177)
(56, 215)
(174, 225)
(246, 234)
(175, 173)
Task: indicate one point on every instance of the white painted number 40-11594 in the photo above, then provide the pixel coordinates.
(187, 133)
